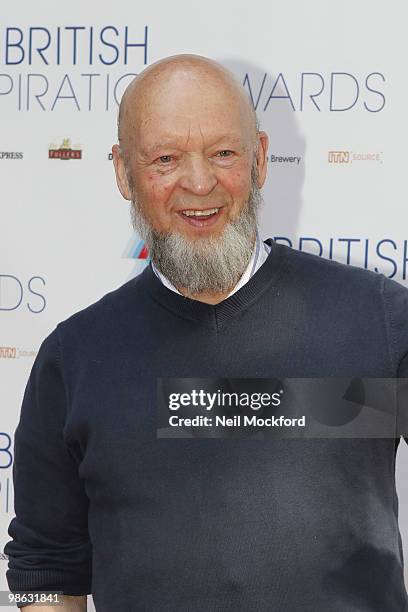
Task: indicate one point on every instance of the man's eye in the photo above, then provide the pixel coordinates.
(225, 153)
(165, 159)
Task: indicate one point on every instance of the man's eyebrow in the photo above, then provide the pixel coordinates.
(173, 144)
(228, 138)
(158, 147)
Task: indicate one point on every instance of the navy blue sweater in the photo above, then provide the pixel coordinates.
(200, 525)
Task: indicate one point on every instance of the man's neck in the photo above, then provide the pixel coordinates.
(208, 298)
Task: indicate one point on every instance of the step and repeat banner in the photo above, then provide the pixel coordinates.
(328, 81)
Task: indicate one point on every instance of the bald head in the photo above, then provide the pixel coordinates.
(177, 79)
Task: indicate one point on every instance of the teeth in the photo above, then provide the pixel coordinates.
(200, 213)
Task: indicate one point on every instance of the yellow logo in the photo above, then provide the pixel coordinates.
(65, 150)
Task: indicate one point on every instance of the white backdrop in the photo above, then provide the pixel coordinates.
(329, 84)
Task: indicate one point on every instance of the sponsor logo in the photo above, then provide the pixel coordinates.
(284, 159)
(13, 352)
(11, 155)
(136, 249)
(8, 352)
(348, 157)
(65, 150)
(339, 157)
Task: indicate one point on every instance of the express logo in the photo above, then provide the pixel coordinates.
(65, 150)
(11, 155)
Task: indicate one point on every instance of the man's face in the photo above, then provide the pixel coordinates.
(191, 156)
(192, 151)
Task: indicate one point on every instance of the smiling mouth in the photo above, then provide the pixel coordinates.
(201, 217)
(200, 213)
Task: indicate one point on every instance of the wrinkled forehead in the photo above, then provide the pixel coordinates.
(187, 110)
(190, 132)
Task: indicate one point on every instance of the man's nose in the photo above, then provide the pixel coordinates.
(198, 176)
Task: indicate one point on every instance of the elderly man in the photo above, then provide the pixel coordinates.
(105, 507)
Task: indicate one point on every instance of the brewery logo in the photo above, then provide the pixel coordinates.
(65, 150)
(284, 159)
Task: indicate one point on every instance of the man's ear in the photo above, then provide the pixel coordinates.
(120, 171)
(261, 157)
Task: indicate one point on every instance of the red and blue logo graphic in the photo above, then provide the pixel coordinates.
(136, 249)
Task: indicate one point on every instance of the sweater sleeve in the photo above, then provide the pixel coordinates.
(50, 548)
(396, 302)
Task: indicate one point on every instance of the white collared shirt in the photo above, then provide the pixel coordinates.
(258, 257)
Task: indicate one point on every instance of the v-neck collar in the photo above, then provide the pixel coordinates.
(265, 277)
